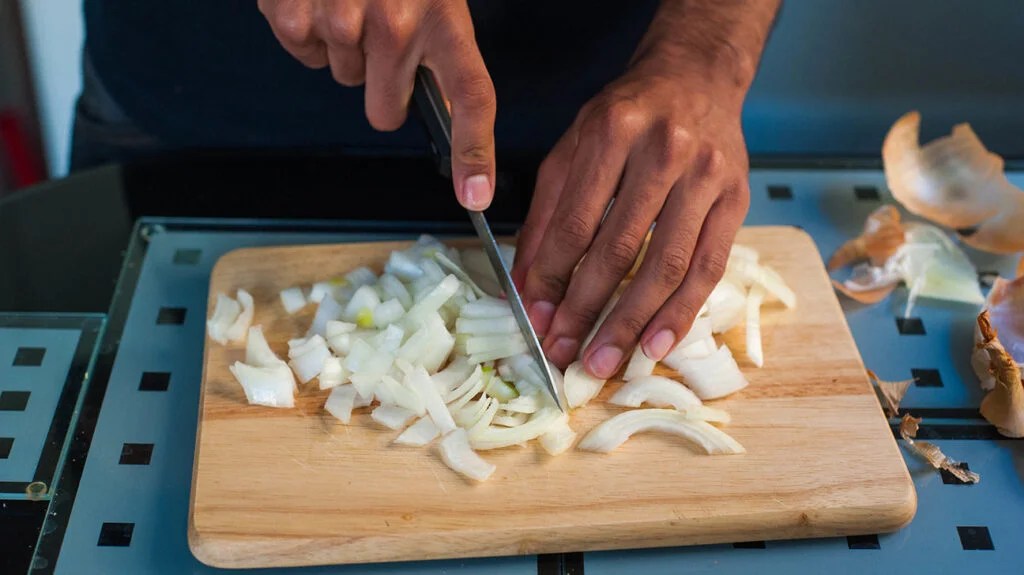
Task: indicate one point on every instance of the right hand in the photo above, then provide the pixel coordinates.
(381, 43)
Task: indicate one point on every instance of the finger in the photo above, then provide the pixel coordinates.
(340, 25)
(390, 64)
(292, 23)
(456, 61)
(593, 178)
(650, 174)
(550, 181)
(709, 259)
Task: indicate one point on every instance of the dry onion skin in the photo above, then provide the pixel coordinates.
(931, 452)
(1003, 406)
(882, 235)
(892, 392)
(956, 182)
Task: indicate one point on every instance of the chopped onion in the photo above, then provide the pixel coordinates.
(726, 306)
(457, 453)
(402, 266)
(433, 300)
(439, 345)
(639, 365)
(361, 276)
(454, 268)
(470, 414)
(341, 401)
(754, 299)
(420, 433)
(494, 343)
(524, 404)
(558, 438)
(395, 289)
(391, 416)
(257, 350)
(326, 311)
(714, 376)
(299, 347)
(580, 387)
(486, 308)
(419, 380)
(293, 300)
(333, 373)
(405, 396)
(506, 419)
(238, 329)
(615, 431)
(389, 339)
(311, 362)
(388, 313)
(496, 437)
(655, 390)
(361, 307)
(335, 328)
(270, 386)
(225, 312)
(501, 389)
(453, 375)
(694, 344)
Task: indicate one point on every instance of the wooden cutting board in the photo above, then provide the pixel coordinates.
(277, 487)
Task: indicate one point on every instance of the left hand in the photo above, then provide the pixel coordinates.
(667, 145)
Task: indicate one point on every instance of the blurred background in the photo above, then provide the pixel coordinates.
(834, 77)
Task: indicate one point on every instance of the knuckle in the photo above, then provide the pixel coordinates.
(395, 31)
(476, 154)
(619, 119)
(684, 311)
(574, 231)
(476, 91)
(618, 255)
(631, 324)
(676, 142)
(344, 29)
(293, 27)
(671, 267)
(712, 264)
(550, 286)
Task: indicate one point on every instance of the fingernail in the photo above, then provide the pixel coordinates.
(563, 351)
(658, 346)
(476, 191)
(541, 313)
(605, 361)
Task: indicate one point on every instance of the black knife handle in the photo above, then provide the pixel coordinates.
(435, 116)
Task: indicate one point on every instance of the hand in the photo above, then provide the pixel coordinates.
(667, 145)
(381, 42)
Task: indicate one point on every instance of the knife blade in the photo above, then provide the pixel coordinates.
(434, 112)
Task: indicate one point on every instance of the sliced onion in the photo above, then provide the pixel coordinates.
(655, 390)
(558, 438)
(457, 453)
(311, 363)
(270, 386)
(326, 311)
(694, 344)
(507, 419)
(524, 404)
(486, 308)
(453, 375)
(485, 419)
(420, 433)
(470, 414)
(402, 395)
(501, 389)
(392, 416)
(754, 299)
(225, 312)
(726, 306)
(714, 376)
(439, 345)
(580, 387)
(454, 268)
(389, 339)
(472, 384)
(395, 289)
(639, 365)
(503, 325)
(494, 343)
(257, 350)
(496, 437)
(433, 300)
(370, 371)
(615, 431)
(419, 380)
(293, 300)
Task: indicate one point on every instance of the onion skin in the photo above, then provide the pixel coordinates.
(956, 182)
(1003, 407)
(883, 234)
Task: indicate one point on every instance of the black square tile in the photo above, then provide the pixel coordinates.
(155, 381)
(748, 545)
(13, 400)
(910, 326)
(866, 193)
(6, 443)
(171, 316)
(116, 534)
(780, 192)
(136, 453)
(29, 356)
(187, 257)
(926, 377)
(863, 542)
(987, 278)
(975, 538)
(950, 479)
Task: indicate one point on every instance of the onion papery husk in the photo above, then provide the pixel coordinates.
(1003, 407)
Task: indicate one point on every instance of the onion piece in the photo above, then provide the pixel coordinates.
(402, 266)
(470, 414)
(453, 375)
(225, 312)
(270, 386)
(300, 347)
(754, 299)
(725, 306)
(395, 289)
(486, 325)
(580, 387)
(485, 308)
(335, 328)
(326, 311)
(439, 343)
(617, 430)
(457, 453)
(319, 291)
(558, 438)
(655, 390)
(492, 343)
(405, 396)
(485, 419)
(388, 313)
(506, 419)
(639, 365)
(419, 380)
(513, 348)
(496, 438)
(257, 350)
(434, 299)
(693, 345)
(332, 374)
(453, 268)
(341, 401)
(389, 339)
(293, 299)
(392, 416)
(524, 404)
(500, 389)
(714, 376)
(419, 434)
(237, 330)
(311, 363)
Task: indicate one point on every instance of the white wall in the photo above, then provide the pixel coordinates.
(54, 33)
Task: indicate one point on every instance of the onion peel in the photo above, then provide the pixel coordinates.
(931, 452)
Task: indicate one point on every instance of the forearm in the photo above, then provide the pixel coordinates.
(721, 40)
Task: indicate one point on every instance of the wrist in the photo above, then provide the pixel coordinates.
(723, 74)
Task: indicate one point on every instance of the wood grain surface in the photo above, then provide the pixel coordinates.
(277, 487)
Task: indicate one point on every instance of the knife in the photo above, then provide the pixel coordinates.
(434, 112)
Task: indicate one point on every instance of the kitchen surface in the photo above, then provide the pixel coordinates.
(127, 447)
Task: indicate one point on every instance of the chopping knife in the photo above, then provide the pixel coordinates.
(434, 112)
